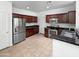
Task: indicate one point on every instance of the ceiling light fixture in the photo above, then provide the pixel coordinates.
(28, 7)
(47, 7)
(48, 4)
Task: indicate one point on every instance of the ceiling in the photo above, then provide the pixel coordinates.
(39, 6)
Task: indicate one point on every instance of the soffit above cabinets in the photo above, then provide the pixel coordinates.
(39, 6)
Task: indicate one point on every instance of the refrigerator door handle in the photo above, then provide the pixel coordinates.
(15, 30)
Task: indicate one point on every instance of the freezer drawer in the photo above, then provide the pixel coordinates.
(18, 38)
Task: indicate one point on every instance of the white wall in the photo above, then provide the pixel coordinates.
(25, 12)
(77, 14)
(5, 24)
(42, 15)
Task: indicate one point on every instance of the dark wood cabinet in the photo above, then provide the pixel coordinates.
(36, 30)
(62, 18)
(72, 17)
(46, 32)
(47, 18)
(27, 33)
(28, 18)
(35, 19)
(69, 17)
(31, 31)
(17, 15)
(31, 19)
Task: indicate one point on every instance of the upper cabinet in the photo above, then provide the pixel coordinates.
(31, 19)
(63, 17)
(47, 18)
(28, 19)
(17, 15)
(72, 17)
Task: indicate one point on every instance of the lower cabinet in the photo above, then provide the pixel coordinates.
(46, 32)
(31, 31)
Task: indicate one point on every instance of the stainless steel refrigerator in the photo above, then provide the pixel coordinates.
(18, 30)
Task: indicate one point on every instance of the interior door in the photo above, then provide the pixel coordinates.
(5, 30)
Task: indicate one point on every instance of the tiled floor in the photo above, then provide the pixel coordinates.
(34, 46)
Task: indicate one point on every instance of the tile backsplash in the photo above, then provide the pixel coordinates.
(30, 24)
(66, 25)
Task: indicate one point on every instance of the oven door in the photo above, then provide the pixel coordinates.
(52, 33)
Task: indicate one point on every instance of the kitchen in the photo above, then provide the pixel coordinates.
(60, 24)
(34, 28)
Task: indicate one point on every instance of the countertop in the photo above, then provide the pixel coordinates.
(50, 27)
(33, 26)
(56, 27)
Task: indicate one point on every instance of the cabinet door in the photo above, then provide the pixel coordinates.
(72, 17)
(36, 30)
(31, 19)
(17, 15)
(27, 33)
(47, 18)
(46, 32)
(35, 19)
(31, 32)
(28, 19)
(62, 18)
